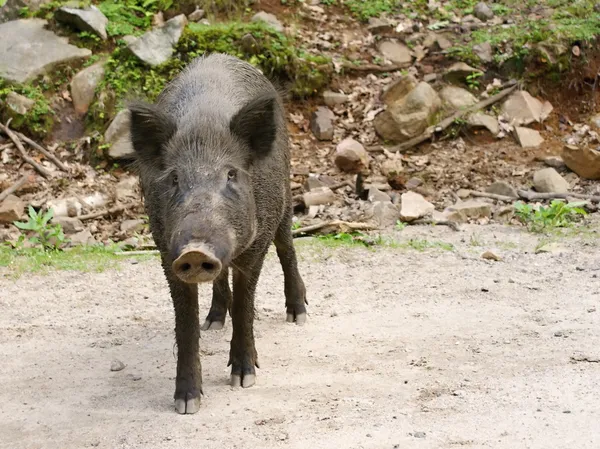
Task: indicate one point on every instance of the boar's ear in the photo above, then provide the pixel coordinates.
(150, 130)
(255, 124)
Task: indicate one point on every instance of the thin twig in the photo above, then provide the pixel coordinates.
(102, 213)
(44, 151)
(374, 68)
(342, 225)
(16, 186)
(429, 132)
(493, 196)
(529, 195)
(12, 136)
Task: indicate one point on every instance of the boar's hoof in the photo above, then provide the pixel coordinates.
(296, 314)
(187, 406)
(247, 381)
(212, 325)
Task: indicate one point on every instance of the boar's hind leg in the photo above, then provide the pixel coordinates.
(243, 355)
(188, 383)
(221, 303)
(295, 292)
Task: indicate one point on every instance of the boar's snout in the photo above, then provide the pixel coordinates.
(197, 264)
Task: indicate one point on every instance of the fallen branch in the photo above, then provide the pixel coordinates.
(431, 221)
(16, 186)
(530, 195)
(373, 68)
(12, 136)
(343, 226)
(44, 151)
(102, 213)
(429, 132)
(339, 185)
(493, 196)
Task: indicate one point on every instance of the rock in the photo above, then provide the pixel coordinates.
(385, 213)
(269, 19)
(27, 50)
(70, 225)
(155, 47)
(377, 25)
(322, 123)
(583, 161)
(547, 180)
(457, 97)
(471, 209)
(316, 197)
(414, 206)
(65, 207)
(333, 99)
(376, 195)
(249, 44)
(399, 89)
(502, 188)
(391, 167)
(554, 162)
(419, 434)
(484, 51)
(410, 115)
(82, 238)
(483, 12)
(196, 16)
(489, 255)
(479, 119)
(522, 109)
(443, 42)
(313, 183)
(504, 214)
(18, 103)
(528, 138)
(413, 183)
(117, 365)
(11, 209)
(83, 87)
(457, 73)
(90, 19)
(11, 9)
(595, 120)
(132, 225)
(119, 137)
(126, 188)
(351, 156)
(395, 52)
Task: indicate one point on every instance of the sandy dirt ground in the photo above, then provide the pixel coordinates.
(402, 349)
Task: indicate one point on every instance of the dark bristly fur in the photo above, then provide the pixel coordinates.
(214, 164)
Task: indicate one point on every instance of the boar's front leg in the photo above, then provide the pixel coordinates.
(188, 383)
(243, 355)
(221, 303)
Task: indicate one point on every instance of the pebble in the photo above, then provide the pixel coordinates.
(117, 365)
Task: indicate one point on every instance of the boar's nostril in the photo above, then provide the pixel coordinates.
(208, 266)
(185, 267)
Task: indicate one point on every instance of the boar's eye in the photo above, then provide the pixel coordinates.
(231, 175)
(175, 180)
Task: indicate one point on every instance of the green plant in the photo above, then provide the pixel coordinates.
(400, 225)
(473, 80)
(39, 118)
(39, 231)
(558, 215)
(365, 9)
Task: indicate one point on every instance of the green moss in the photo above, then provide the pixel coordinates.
(38, 120)
(365, 9)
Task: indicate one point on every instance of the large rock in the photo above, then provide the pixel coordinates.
(156, 46)
(351, 156)
(483, 12)
(118, 135)
(408, 116)
(583, 161)
(547, 180)
(268, 18)
(502, 188)
(459, 72)
(83, 86)
(522, 109)
(27, 50)
(90, 19)
(396, 52)
(11, 209)
(528, 138)
(385, 213)
(472, 209)
(481, 120)
(321, 123)
(399, 89)
(457, 98)
(414, 206)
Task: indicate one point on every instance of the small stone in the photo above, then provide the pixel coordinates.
(156, 46)
(18, 103)
(489, 255)
(132, 225)
(90, 19)
(484, 51)
(11, 209)
(457, 98)
(528, 138)
(118, 135)
(463, 193)
(376, 195)
(502, 188)
(377, 25)
(595, 121)
(70, 225)
(554, 162)
(83, 87)
(583, 161)
(396, 52)
(457, 73)
(83, 238)
(459, 393)
(479, 119)
(548, 180)
(196, 16)
(385, 213)
(117, 365)
(471, 209)
(483, 12)
(322, 123)
(414, 206)
(269, 19)
(419, 434)
(249, 44)
(443, 42)
(351, 156)
(391, 168)
(413, 183)
(126, 188)
(333, 99)
(316, 197)
(504, 214)
(522, 109)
